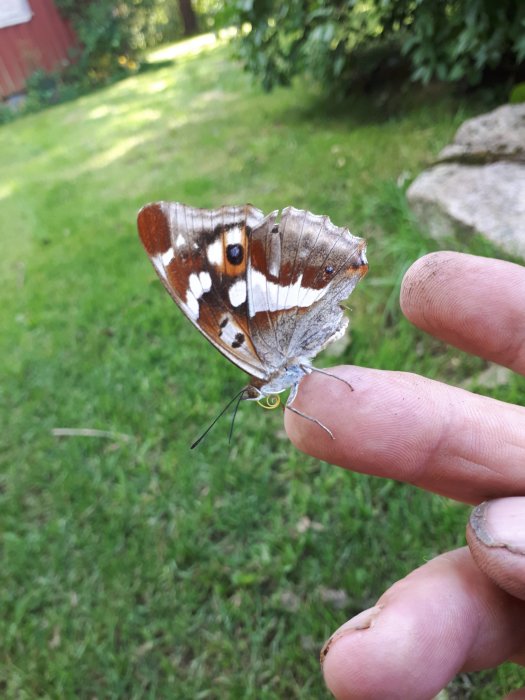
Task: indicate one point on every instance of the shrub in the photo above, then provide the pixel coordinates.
(111, 36)
(452, 40)
(517, 94)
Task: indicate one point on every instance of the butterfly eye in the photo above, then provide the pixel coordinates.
(234, 254)
(329, 270)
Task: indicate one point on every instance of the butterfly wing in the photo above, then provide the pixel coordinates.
(201, 258)
(299, 272)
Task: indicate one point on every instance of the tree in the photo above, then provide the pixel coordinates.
(189, 18)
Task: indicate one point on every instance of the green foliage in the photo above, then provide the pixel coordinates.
(462, 40)
(42, 89)
(449, 40)
(517, 94)
(113, 35)
(137, 568)
(7, 113)
(211, 13)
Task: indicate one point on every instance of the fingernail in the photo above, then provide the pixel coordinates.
(363, 621)
(501, 523)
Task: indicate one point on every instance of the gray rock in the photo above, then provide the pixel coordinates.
(453, 199)
(479, 183)
(498, 135)
(491, 378)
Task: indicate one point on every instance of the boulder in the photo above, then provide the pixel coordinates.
(498, 135)
(478, 182)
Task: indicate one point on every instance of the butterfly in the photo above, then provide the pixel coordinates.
(266, 291)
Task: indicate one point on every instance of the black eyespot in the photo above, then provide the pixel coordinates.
(239, 340)
(235, 253)
(329, 270)
(223, 323)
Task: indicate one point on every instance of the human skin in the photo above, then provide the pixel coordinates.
(464, 610)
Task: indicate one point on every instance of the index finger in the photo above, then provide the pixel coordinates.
(403, 426)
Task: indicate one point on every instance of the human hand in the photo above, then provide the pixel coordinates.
(464, 610)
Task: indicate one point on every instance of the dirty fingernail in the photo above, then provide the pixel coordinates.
(362, 621)
(501, 523)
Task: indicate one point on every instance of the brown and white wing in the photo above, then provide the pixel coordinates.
(299, 272)
(201, 257)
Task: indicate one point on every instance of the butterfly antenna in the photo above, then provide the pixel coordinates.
(238, 397)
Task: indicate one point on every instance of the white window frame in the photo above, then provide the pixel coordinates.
(14, 12)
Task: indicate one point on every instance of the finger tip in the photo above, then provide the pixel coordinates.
(340, 656)
(415, 281)
(496, 540)
(367, 660)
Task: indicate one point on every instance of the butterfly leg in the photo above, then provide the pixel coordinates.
(308, 369)
(291, 397)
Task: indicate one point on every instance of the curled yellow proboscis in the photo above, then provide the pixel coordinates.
(269, 402)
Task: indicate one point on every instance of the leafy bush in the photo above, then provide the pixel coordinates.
(42, 89)
(6, 113)
(111, 35)
(517, 94)
(450, 40)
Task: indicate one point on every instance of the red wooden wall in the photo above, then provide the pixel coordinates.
(43, 42)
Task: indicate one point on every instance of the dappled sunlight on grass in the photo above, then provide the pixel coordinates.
(100, 112)
(213, 96)
(118, 150)
(157, 86)
(122, 123)
(144, 116)
(190, 47)
(6, 189)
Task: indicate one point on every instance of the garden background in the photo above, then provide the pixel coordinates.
(133, 567)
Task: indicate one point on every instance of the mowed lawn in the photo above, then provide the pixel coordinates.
(131, 566)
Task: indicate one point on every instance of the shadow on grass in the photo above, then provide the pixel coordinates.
(148, 67)
(377, 105)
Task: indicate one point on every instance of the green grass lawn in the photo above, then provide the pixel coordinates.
(135, 568)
